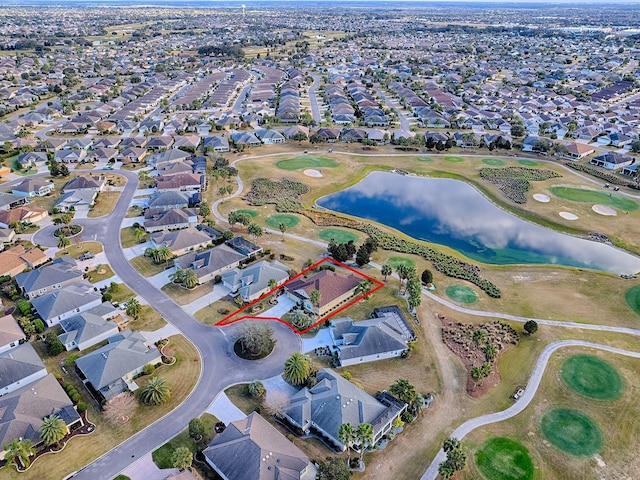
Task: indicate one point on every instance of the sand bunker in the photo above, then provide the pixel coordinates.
(312, 172)
(541, 197)
(604, 210)
(568, 215)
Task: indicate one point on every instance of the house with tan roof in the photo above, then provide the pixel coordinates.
(16, 259)
(21, 214)
(335, 288)
(10, 333)
(577, 151)
(183, 182)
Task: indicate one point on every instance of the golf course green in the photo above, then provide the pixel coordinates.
(501, 458)
(632, 297)
(339, 236)
(528, 163)
(592, 196)
(592, 377)
(289, 221)
(251, 213)
(395, 262)
(461, 294)
(494, 162)
(306, 161)
(572, 432)
(454, 159)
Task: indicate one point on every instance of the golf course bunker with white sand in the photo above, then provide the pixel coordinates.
(312, 172)
(568, 215)
(541, 197)
(604, 210)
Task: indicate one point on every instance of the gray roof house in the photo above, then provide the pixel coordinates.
(217, 143)
(66, 302)
(169, 200)
(89, 328)
(22, 411)
(33, 187)
(612, 160)
(9, 200)
(10, 333)
(370, 340)
(110, 369)
(33, 159)
(62, 272)
(158, 219)
(18, 367)
(253, 449)
(94, 183)
(333, 401)
(181, 241)
(209, 263)
(78, 199)
(251, 282)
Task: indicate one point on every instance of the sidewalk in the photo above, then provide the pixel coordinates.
(136, 250)
(218, 292)
(164, 332)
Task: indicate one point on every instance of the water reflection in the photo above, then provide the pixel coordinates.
(452, 213)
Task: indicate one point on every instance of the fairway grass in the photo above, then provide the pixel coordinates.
(632, 297)
(289, 221)
(461, 294)
(339, 236)
(592, 377)
(306, 161)
(504, 459)
(395, 262)
(494, 162)
(572, 432)
(593, 196)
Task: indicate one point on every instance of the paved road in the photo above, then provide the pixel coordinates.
(237, 105)
(313, 99)
(404, 123)
(220, 366)
(523, 402)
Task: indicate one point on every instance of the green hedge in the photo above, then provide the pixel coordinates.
(514, 182)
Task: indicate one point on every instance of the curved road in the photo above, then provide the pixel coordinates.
(220, 367)
(523, 402)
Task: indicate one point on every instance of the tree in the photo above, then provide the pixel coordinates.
(283, 229)
(315, 297)
(363, 256)
(256, 339)
(138, 232)
(53, 430)
(254, 230)
(490, 352)
(403, 390)
(347, 436)
(272, 284)
(155, 392)
(120, 408)
(386, 271)
(446, 470)
(365, 436)
(190, 278)
(181, 458)
(256, 389)
(531, 327)
(196, 428)
(54, 345)
(635, 146)
(479, 336)
(205, 210)
(333, 468)
(63, 241)
(297, 369)
(162, 254)
(427, 276)
(363, 288)
(299, 319)
(19, 452)
(133, 308)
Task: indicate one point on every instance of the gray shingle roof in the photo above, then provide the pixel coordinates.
(210, 260)
(255, 278)
(85, 326)
(19, 363)
(76, 295)
(252, 449)
(60, 271)
(180, 239)
(368, 337)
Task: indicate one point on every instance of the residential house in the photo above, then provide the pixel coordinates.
(132, 155)
(254, 281)
(76, 200)
(245, 138)
(168, 157)
(612, 160)
(33, 160)
(158, 219)
(159, 143)
(69, 156)
(333, 401)
(536, 144)
(579, 150)
(10, 333)
(66, 302)
(330, 135)
(217, 143)
(110, 370)
(167, 200)
(93, 183)
(102, 154)
(22, 411)
(33, 187)
(7, 235)
(209, 263)
(630, 171)
(20, 366)
(61, 272)
(183, 182)
(296, 131)
(188, 143)
(252, 448)
(9, 201)
(335, 288)
(16, 259)
(181, 241)
(268, 136)
(22, 214)
(89, 328)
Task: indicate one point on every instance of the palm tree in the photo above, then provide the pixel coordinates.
(133, 308)
(314, 298)
(297, 368)
(138, 232)
(401, 270)
(272, 283)
(63, 241)
(53, 430)
(347, 436)
(386, 271)
(190, 278)
(363, 288)
(254, 230)
(163, 253)
(365, 437)
(155, 392)
(177, 276)
(403, 390)
(181, 458)
(479, 336)
(299, 319)
(19, 452)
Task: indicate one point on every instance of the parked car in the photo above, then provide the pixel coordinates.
(86, 256)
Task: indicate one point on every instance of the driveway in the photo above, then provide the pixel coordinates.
(224, 410)
(218, 292)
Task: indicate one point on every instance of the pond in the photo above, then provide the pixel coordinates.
(453, 213)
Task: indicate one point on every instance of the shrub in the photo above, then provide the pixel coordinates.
(148, 369)
(82, 407)
(54, 345)
(38, 325)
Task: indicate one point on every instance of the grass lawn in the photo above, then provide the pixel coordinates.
(212, 314)
(424, 159)
(572, 431)
(306, 161)
(527, 163)
(592, 377)
(248, 211)
(124, 294)
(128, 238)
(75, 251)
(340, 236)
(454, 159)
(395, 262)
(461, 294)
(494, 162)
(289, 221)
(134, 211)
(147, 267)
(632, 297)
(181, 377)
(149, 320)
(184, 296)
(13, 162)
(593, 196)
(504, 459)
(95, 277)
(104, 204)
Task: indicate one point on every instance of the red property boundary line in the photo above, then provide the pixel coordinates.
(228, 320)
